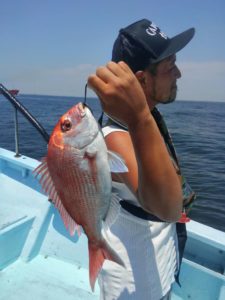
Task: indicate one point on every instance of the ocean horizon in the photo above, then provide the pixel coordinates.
(94, 97)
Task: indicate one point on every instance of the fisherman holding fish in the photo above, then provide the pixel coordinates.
(145, 223)
(136, 231)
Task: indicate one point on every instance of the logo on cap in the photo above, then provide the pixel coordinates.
(153, 30)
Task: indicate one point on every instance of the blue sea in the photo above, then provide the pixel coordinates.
(197, 129)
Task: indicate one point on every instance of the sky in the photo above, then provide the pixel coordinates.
(50, 47)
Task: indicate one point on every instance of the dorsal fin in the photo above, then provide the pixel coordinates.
(48, 186)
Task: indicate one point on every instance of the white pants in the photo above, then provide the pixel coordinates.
(149, 251)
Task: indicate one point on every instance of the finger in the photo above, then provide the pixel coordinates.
(96, 84)
(115, 68)
(105, 74)
(124, 66)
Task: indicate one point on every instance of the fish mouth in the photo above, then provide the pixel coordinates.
(81, 109)
(85, 105)
(85, 110)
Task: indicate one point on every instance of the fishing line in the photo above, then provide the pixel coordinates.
(85, 95)
(100, 120)
(85, 99)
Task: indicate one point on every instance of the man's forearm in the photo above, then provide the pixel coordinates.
(159, 188)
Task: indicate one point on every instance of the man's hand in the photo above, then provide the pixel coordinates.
(120, 93)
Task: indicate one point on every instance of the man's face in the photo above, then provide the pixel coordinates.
(162, 87)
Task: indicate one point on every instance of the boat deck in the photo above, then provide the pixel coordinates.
(40, 260)
(45, 278)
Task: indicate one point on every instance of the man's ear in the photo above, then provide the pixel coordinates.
(141, 77)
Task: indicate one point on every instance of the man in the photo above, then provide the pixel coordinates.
(141, 227)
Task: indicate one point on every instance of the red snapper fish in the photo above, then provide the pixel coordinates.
(76, 175)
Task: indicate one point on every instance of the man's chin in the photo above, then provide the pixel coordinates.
(167, 101)
(171, 100)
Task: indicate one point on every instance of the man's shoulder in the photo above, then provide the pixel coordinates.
(112, 129)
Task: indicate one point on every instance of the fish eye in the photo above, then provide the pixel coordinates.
(66, 125)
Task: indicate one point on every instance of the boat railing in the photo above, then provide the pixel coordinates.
(18, 106)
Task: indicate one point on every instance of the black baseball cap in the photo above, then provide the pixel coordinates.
(148, 44)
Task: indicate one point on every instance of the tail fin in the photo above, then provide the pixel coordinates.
(97, 255)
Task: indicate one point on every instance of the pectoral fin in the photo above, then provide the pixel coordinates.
(116, 163)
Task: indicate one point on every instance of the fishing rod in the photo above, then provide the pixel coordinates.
(25, 112)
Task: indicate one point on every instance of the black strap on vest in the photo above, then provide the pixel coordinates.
(165, 133)
(138, 211)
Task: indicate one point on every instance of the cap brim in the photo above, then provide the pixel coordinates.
(177, 43)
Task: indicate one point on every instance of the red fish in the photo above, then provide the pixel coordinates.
(76, 176)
